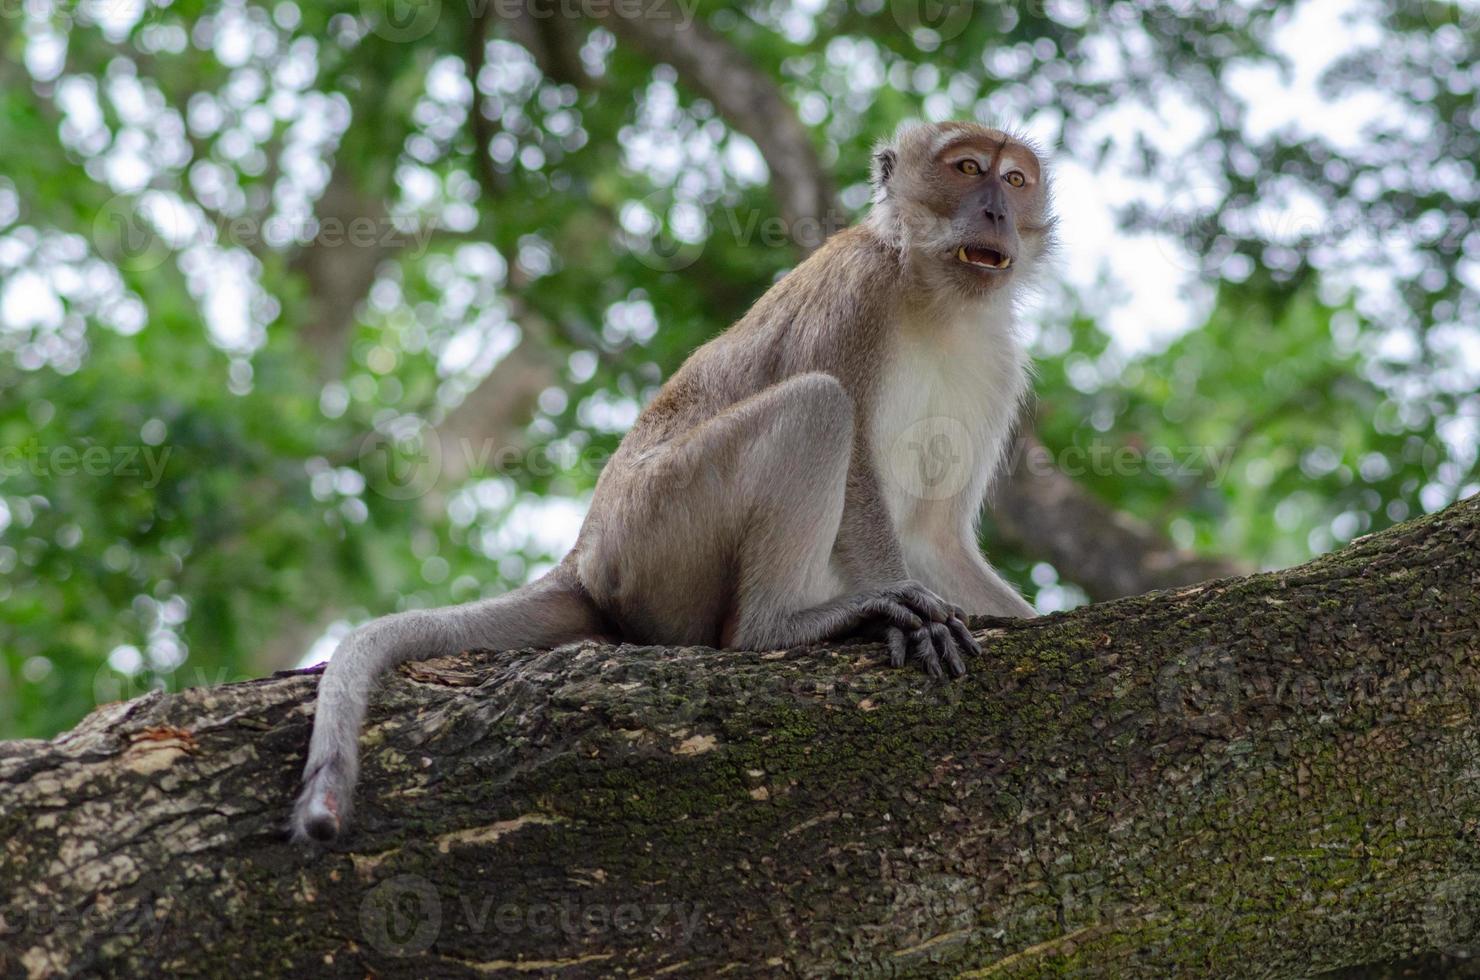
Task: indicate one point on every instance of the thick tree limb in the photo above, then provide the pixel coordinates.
(1259, 776)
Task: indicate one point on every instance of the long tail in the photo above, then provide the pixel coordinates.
(543, 614)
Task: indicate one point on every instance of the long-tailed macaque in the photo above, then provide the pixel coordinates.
(816, 470)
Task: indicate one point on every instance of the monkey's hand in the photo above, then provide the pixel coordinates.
(941, 643)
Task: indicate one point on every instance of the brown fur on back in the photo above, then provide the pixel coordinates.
(825, 315)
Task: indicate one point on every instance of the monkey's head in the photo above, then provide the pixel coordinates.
(967, 205)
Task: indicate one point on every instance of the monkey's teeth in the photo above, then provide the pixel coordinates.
(1002, 263)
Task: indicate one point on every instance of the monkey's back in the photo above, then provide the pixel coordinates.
(800, 324)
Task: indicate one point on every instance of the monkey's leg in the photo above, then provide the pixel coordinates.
(735, 540)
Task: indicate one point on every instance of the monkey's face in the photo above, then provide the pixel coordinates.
(969, 203)
(986, 187)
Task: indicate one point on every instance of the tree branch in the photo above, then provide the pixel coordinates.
(339, 267)
(1264, 776)
(338, 274)
(751, 103)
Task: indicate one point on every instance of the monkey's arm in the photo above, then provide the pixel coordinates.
(869, 555)
(867, 552)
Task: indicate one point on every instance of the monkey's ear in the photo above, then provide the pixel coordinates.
(883, 168)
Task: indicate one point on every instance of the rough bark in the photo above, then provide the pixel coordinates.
(1258, 776)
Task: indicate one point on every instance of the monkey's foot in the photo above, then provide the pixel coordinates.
(932, 646)
(921, 601)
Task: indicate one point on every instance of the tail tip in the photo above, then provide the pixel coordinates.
(316, 817)
(320, 827)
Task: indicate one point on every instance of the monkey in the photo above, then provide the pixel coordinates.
(815, 471)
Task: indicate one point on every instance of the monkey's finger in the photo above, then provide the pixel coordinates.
(895, 613)
(924, 650)
(963, 636)
(933, 607)
(925, 603)
(945, 643)
(898, 650)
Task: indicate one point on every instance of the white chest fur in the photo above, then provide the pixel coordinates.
(946, 403)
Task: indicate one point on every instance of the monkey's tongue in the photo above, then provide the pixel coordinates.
(987, 258)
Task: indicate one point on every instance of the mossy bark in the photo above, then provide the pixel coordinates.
(1259, 776)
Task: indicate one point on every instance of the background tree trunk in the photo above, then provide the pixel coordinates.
(1259, 776)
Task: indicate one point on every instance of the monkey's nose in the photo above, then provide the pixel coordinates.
(993, 205)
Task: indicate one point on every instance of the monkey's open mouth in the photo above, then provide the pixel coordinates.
(984, 258)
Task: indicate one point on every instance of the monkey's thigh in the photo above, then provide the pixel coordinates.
(743, 509)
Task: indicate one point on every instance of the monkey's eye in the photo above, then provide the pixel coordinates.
(970, 168)
(1015, 178)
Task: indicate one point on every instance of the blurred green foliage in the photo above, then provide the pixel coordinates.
(238, 492)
